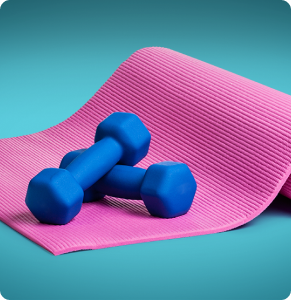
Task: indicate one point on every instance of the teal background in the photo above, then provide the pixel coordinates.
(54, 55)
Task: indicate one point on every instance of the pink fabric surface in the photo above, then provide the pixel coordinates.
(233, 133)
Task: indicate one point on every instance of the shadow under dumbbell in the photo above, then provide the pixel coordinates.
(131, 207)
(24, 218)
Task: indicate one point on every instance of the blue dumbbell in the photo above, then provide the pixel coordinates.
(55, 196)
(167, 188)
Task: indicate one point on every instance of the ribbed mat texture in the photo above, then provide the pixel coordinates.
(233, 133)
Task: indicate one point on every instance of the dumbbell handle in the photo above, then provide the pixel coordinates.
(121, 181)
(92, 164)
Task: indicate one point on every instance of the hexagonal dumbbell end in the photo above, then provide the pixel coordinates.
(168, 189)
(54, 196)
(131, 134)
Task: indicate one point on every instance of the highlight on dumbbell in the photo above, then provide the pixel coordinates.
(167, 188)
(55, 196)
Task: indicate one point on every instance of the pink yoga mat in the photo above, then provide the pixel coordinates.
(233, 133)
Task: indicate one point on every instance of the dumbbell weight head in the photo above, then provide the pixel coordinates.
(168, 189)
(53, 196)
(130, 132)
